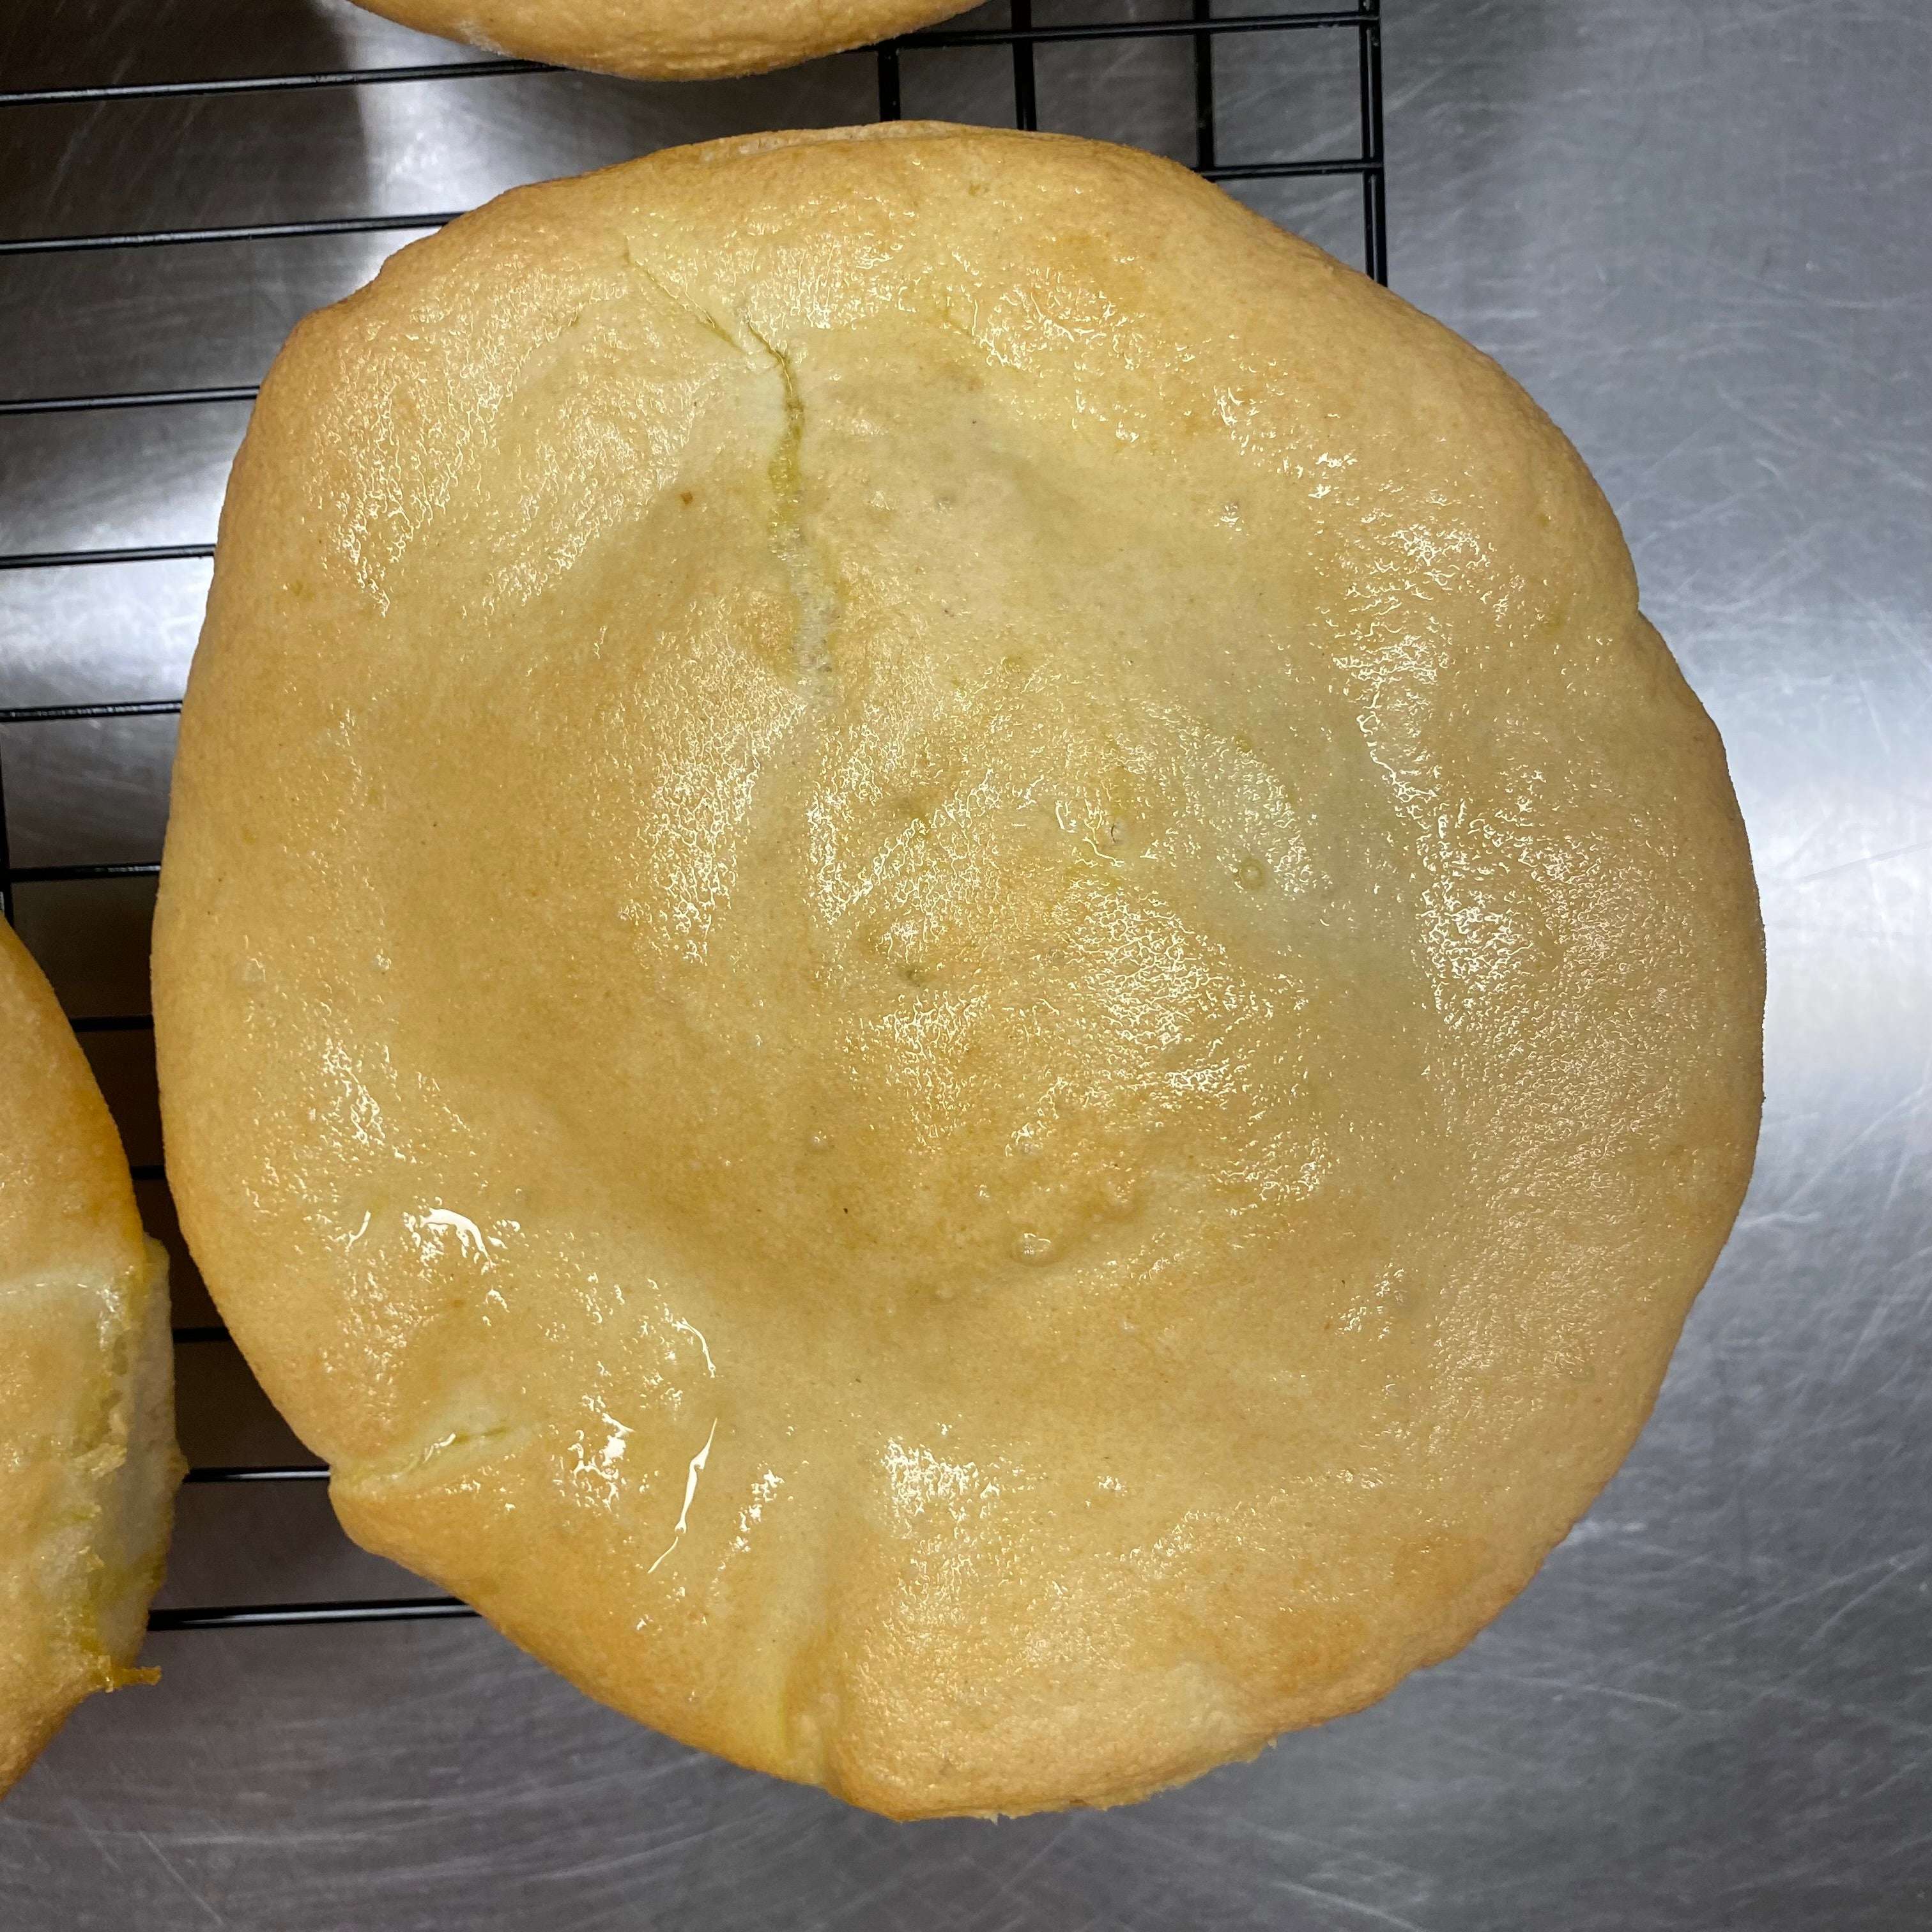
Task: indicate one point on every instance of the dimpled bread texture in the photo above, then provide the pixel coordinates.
(88, 1463)
(667, 40)
(941, 972)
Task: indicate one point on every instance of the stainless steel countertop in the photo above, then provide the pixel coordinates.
(1698, 233)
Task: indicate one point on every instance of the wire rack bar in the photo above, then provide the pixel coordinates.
(1026, 98)
(133, 399)
(1204, 89)
(265, 83)
(1374, 207)
(54, 714)
(47, 875)
(261, 1616)
(1289, 170)
(246, 231)
(6, 858)
(293, 1472)
(61, 559)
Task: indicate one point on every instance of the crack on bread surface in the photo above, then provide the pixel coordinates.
(814, 591)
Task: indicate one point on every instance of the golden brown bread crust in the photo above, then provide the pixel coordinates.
(88, 1465)
(941, 972)
(667, 40)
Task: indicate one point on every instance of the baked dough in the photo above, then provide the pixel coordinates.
(941, 972)
(668, 40)
(88, 1463)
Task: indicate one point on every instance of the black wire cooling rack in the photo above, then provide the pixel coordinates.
(1201, 27)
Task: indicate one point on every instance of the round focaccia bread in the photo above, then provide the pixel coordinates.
(667, 40)
(88, 1463)
(941, 972)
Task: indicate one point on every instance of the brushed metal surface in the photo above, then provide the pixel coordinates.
(1697, 232)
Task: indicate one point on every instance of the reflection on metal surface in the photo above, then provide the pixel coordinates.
(1696, 234)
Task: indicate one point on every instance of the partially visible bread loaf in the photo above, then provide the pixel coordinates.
(88, 1462)
(667, 40)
